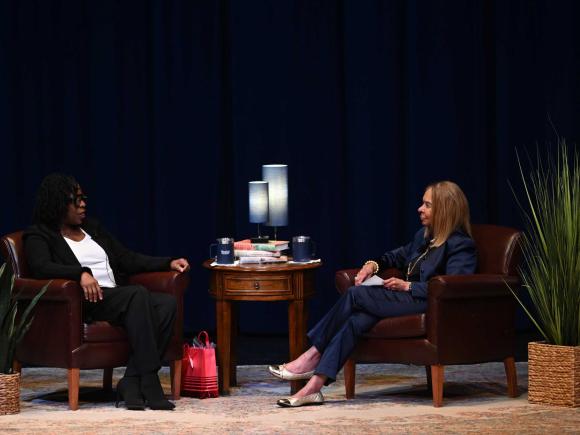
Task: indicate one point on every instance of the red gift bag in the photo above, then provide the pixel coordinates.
(199, 370)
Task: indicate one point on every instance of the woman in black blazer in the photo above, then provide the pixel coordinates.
(64, 243)
(442, 247)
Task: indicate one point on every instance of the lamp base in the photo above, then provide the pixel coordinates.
(261, 239)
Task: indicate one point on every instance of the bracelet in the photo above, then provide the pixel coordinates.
(375, 265)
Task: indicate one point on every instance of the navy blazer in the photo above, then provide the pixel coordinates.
(457, 256)
(49, 255)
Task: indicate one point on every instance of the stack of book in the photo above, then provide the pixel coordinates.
(270, 252)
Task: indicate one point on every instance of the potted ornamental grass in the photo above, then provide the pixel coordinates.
(551, 274)
(12, 329)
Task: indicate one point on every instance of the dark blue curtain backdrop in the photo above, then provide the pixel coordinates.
(164, 110)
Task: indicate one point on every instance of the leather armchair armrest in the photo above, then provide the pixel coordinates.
(58, 289)
(471, 286)
(171, 282)
(470, 317)
(344, 278)
(57, 326)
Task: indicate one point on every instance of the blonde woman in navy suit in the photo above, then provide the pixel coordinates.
(443, 246)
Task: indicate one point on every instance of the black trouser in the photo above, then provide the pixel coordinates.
(148, 317)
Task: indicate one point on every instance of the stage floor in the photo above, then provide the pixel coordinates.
(390, 399)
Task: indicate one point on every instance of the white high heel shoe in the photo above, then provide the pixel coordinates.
(281, 372)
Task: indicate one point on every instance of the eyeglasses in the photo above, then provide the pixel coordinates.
(77, 199)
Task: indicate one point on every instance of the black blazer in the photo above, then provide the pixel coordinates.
(49, 255)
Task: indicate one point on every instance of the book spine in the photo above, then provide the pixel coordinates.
(246, 244)
(264, 247)
(248, 260)
(250, 253)
(243, 246)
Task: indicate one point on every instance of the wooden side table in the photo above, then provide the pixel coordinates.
(259, 282)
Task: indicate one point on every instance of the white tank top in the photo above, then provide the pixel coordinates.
(90, 254)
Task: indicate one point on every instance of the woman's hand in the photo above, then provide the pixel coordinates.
(180, 265)
(396, 284)
(363, 274)
(91, 287)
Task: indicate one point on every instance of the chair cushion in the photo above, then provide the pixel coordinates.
(103, 332)
(399, 327)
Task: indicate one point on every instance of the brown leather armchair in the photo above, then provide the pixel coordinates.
(59, 338)
(469, 319)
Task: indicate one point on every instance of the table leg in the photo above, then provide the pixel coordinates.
(234, 345)
(297, 318)
(224, 330)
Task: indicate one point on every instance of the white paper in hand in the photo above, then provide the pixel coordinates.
(373, 280)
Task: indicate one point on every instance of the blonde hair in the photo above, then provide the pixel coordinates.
(449, 211)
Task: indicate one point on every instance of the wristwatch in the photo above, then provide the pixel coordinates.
(410, 285)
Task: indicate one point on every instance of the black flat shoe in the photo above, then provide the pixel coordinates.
(129, 391)
(153, 393)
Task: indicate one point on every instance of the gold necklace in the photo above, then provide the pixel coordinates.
(410, 267)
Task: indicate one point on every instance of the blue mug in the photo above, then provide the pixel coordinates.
(303, 249)
(225, 250)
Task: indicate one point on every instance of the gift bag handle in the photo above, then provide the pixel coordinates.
(206, 338)
(186, 348)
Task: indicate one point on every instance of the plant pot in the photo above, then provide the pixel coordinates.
(553, 374)
(9, 394)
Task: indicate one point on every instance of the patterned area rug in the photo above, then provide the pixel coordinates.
(390, 399)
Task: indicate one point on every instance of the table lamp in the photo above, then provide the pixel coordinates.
(258, 199)
(277, 178)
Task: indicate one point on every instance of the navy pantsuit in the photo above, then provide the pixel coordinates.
(354, 313)
(335, 335)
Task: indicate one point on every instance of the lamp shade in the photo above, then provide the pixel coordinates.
(277, 178)
(258, 197)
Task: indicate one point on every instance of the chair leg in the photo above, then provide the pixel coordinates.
(437, 376)
(16, 366)
(428, 372)
(511, 375)
(175, 372)
(349, 377)
(74, 376)
(108, 379)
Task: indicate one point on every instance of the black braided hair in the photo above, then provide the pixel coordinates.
(55, 193)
